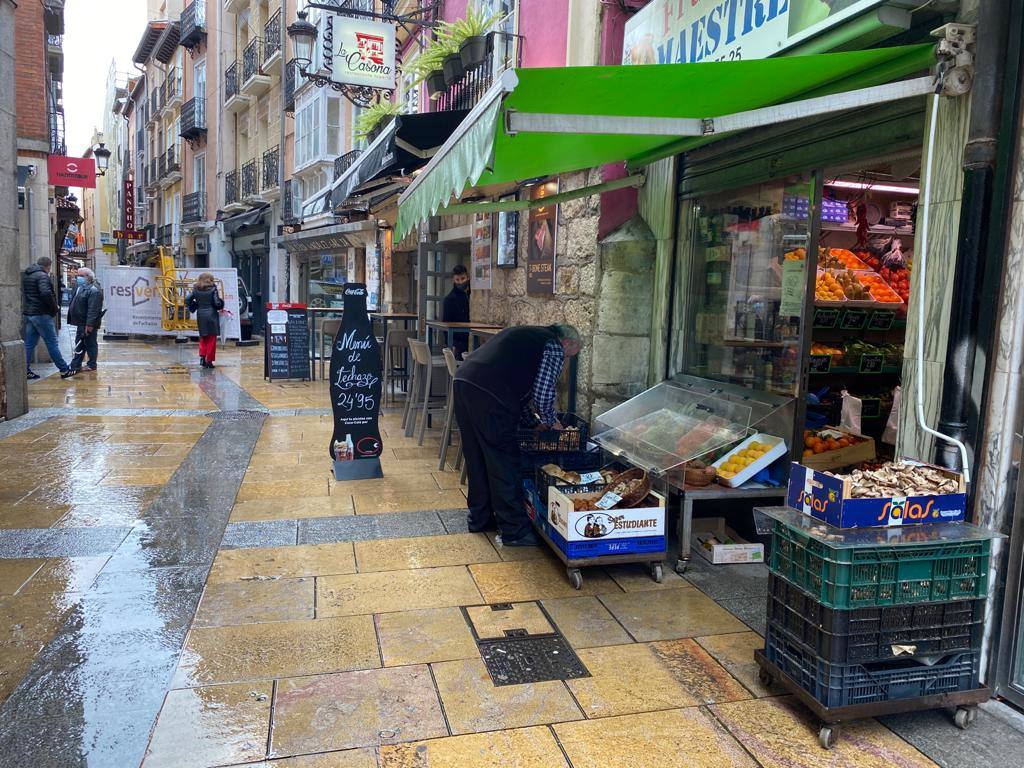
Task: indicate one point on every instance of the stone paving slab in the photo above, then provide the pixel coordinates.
(366, 527)
(260, 533)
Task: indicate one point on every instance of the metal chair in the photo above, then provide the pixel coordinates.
(328, 330)
(449, 417)
(396, 368)
(419, 399)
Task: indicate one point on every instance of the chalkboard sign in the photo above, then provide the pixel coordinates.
(286, 351)
(820, 363)
(355, 391)
(871, 363)
(881, 320)
(826, 318)
(870, 408)
(854, 320)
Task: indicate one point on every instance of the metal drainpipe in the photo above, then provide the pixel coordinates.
(979, 158)
(281, 149)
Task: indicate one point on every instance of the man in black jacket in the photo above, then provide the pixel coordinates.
(85, 312)
(39, 307)
(456, 309)
(517, 368)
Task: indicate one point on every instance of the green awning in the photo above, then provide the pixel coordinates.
(643, 113)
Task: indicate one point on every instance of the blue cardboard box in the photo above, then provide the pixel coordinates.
(829, 498)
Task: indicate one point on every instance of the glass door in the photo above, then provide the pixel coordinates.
(1009, 647)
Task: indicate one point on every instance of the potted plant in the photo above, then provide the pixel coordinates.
(375, 119)
(469, 36)
(428, 68)
(452, 62)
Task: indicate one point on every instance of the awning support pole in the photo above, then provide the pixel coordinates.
(506, 206)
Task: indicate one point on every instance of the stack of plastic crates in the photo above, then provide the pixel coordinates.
(863, 625)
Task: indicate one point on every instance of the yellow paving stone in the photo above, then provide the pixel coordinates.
(735, 652)
(31, 515)
(780, 734)
(66, 574)
(698, 672)
(273, 460)
(540, 552)
(138, 477)
(447, 480)
(585, 622)
(263, 473)
(277, 649)
(245, 602)
(143, 462)
(350, 758)
(282, 489)
(218, 725)
(390, 485)
(15, 572)
(160, 438)
(15, 661)
(282, 562)
(395, 591)
(637, 578)
(291, 509)
(519, 748)
(31, 620)
(423, 636)
(512, 582)
(355, 709)
(473, 704)
(374, 504)
(168, 450)
(687, 738)
(417, 452)
(626, 679)
(490, 623)
(670, 613)
(423, 552)
(102, 515)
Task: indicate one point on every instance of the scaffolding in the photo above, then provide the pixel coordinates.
(174, 287)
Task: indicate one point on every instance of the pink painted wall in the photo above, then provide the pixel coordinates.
(543, 25)
(620, 206)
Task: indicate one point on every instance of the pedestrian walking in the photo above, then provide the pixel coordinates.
(39, 307)
(85, 312)
(205, 301)
(518, 369)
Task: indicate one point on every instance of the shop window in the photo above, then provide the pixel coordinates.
(307, 132)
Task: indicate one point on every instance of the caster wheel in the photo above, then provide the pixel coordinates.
(681, 566)
(575, 578)
(828, 736)
(765, 677)
(965, 716)
(657, 572)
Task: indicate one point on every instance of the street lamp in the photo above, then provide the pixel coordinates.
(102, 155)
(303, 36)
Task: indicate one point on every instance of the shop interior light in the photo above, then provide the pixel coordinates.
(876, 187)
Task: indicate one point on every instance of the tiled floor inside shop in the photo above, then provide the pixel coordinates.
(182, 583)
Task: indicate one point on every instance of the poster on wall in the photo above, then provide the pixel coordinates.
(131, 297)
(673, 32)
(543, 233)
(481, 255)
(373, 278)
(508, 238)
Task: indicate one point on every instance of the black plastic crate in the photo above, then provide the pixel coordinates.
(840, 685)
(532, 440)
(577, 461)
(875, 634)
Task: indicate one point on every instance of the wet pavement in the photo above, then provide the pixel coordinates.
(183, 583)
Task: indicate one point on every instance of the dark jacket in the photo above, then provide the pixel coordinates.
(456, 310)
(507, 365)
(37, 293)
(86, 307)
(206, 303)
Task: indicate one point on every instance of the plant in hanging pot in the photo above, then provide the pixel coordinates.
(375, 119)
(469, 36)
(428, 68)
(452, 64)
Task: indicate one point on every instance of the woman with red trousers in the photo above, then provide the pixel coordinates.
(206, 302)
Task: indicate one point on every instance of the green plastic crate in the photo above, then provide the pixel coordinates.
(867, 576)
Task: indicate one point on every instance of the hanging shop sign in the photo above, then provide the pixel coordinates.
(360, 52)
(355, 391)
(129, 204)
(71, 171)
(481, 254)
(540, 256)
(689, 31)
(129, 234)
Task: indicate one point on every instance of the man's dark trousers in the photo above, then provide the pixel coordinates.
(488, 430)
(86, 344)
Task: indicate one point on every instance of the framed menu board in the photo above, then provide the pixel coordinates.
(286, 346)
(543, 234)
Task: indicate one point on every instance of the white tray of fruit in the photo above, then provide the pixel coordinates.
(748, 458)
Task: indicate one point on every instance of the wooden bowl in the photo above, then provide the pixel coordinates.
(637, 495)
(698, 473)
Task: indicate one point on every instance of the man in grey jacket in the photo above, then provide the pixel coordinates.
(39, 307)
(85, 312)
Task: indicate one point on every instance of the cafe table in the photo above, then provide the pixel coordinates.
(439, 326)
(478, 335)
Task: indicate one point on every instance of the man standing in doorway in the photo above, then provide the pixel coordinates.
(517, 368)
(39, 307)
(85, 312)
(456, 309)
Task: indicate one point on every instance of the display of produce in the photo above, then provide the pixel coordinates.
(748, 458)
(797, 254)
(828, 289)
(899, 279)
(826, 349)
(901, 479)
(839, 258)
(572, 477)
(853, 288)
(879, 289)
(822, 440)
(740, 460)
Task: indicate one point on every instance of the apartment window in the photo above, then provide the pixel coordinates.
(308, 120)
(410, 95)
(334, 146)
(176, 221)
(199, 173)
(357, 143)
(199, 78)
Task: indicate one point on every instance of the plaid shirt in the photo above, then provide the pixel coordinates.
(546, 382)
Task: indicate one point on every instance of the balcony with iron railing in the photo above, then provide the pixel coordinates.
(170, 91)
(231, 188)
(272, 43)
(165, 235)
(291, 84)
(155, 105)
(193, 24)
(254, 80)
(251, 181)
(193, 119)
(170, 166)
(58, 144)
(193, 207)
(271, 176)
(55, 55)
(234, 99)
(503, 52)
(343, 162)
(154, 171)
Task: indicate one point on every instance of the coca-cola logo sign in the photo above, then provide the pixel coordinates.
(363, 52)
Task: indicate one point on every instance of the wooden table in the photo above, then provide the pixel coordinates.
(451, 328)
(479, 334)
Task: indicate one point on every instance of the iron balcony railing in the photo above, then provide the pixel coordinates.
(231, 187)
(193, 23)
(161, 166)
(58, 145)
(193, 118)
(171, 88)
(291, 78)
(140, 141)
(503, 51)
(251, 60)
(343, 162)
(288, 205)
(155, 102)
(193, 207)
(231, 81)
(251, 179)
(165, 234)
(272, 36)
(154, 166)
(57, 40)
(170, 161)
(271, 169)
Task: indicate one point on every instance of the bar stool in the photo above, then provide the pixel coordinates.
(419, 399)
(396, 347)
(449, 417)
(328, 330)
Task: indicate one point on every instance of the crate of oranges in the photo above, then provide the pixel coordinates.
(832, 447)
(748, 458)
(880, 290)
(827, 291)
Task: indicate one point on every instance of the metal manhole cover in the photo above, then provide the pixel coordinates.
(238, 415)
(518, 660)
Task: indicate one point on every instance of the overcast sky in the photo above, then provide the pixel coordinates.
(96, 31)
